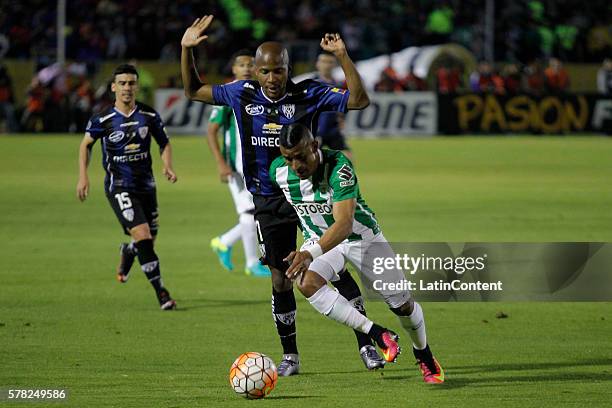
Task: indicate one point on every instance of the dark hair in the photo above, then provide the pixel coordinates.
(125, 69)
(325, 52)
(244, 52)
(291, 135)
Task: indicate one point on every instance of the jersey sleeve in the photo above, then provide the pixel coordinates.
(158, 130)
(330, 98)
(224, 94)
(94, 129)
(343, 180)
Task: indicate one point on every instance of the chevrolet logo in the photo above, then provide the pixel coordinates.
(272, 126)
(131, 147)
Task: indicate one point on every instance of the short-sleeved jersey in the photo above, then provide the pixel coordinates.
(313, 198)
(259, 121)
(224, 117)
(327, 123)
(126, 144)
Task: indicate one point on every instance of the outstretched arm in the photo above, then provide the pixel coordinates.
(358, 97)
(84, 156)
(194, 88)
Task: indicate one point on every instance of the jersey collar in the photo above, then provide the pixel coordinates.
(270, 100)
(123, 114)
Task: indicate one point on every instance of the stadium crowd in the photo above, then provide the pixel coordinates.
(573, 30)
(531, 36)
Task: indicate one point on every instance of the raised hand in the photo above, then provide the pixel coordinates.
(193, 35)
(334, 44)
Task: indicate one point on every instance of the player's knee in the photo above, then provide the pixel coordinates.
(405, 309)
(310, 284)
(141, 232)
(279, 281)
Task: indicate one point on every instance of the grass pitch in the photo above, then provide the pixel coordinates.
(65, 321)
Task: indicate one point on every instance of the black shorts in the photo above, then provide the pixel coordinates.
(277, 225)
(134, 208)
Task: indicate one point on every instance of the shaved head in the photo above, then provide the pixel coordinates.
(271, 52)
(272, 69)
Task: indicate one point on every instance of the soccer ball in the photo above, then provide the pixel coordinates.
(253, 375)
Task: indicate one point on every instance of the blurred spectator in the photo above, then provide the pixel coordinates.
(512, 79)
(557, 78)
(448, 79)
(604, 77)
(440, 23)
(33, 114)
(486, 80)
(7, 101)
(567, 34)
(412, 82)
(389, 80)
(600, 40)
(534, 79)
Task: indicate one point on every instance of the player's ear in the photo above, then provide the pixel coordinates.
(315, 145)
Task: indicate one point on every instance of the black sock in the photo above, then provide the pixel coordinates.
(424, 355)
(348, 288)
(283, 310)
(375, 333)
(149, 263)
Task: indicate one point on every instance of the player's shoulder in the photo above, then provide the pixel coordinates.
(146, 110)
(242, 84)
(335, 157)
(342, 169)
(101, 116)
(277, 163)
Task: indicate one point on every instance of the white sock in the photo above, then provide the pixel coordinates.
(230, 237)
(415, 326)
(248, 232)
(335, 306)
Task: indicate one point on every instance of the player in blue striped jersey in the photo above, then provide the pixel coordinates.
(262, 108)
(125, 131)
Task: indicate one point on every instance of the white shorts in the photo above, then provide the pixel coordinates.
(331, 263)
(243, 200)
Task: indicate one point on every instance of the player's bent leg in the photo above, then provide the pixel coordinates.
(411, 317)
(346, 285)
(333, 305)
(149, 263)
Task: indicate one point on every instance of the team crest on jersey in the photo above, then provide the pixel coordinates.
(143, 131)
(339, 90)
(254, 110)
(247, 85)
(288, 110)
(116, 136)
(345, 173)
(128, 214)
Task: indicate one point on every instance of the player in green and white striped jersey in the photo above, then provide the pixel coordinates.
(338, 226)
(229, 164)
